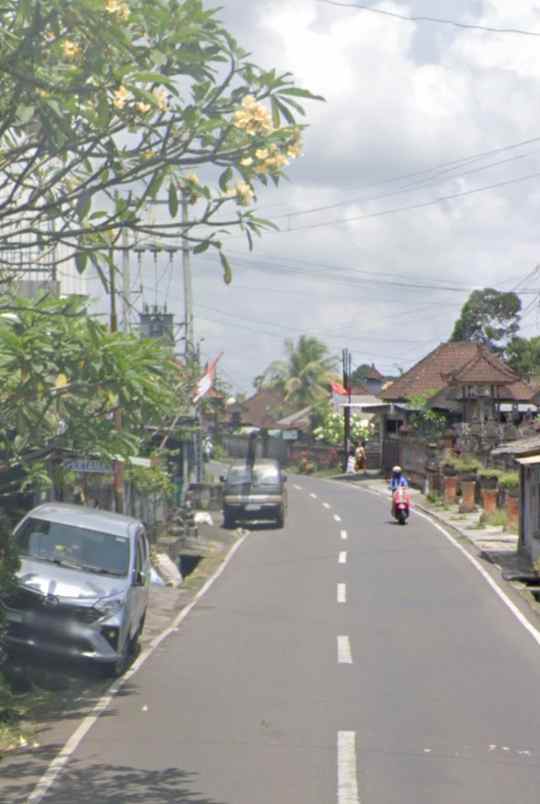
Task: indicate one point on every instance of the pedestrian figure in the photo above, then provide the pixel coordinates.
(360, 457)
(351, 463)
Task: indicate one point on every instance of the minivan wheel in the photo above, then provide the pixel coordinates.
(280, 518)
(228, 519)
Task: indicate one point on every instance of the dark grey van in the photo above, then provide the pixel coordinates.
(254, 491)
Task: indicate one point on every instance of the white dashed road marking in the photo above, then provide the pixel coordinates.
(326, 505)
(297, 487)
(341, 593)
(347, 784)
(337, 517)
(344, 655)
(344, 534)
(313, 495)
(342, 558)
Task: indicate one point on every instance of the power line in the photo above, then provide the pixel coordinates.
(438, 173)
(339, 335)
(437, 20)
(410, 207)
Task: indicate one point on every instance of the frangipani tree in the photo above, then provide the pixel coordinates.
(63, 376)
(332, 428)
(105, 103)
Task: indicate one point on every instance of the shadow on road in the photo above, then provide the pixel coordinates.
(100, 783)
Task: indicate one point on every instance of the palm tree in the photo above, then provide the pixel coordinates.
(305, 374)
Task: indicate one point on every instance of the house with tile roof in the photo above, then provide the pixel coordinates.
(466, 381)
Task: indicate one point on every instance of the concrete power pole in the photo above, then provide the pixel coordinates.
(189, 329)
(188, 291)
(126, 282)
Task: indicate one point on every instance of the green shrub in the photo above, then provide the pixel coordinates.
(489, 473)
(467, 464)
(509, 481)
(496, 519)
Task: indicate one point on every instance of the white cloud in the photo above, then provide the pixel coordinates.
(401, 98)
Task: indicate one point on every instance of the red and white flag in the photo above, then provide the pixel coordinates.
(207, 380)
(338, 389)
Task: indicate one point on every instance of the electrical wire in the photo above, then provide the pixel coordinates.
(436, 20)
(414, 186)
(410, 207)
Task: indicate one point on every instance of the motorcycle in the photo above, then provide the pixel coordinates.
(401, 504)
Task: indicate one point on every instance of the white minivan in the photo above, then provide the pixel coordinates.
(82, 586)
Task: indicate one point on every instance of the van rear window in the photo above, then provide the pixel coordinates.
(259, 474)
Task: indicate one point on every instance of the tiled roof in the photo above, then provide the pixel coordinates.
(458, 362)
(360, 390)
(483, 367)
(374, 374)
(429, 373)
(261, 409)
(520, 391)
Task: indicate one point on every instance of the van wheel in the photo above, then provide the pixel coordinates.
(119, 667)
(228, 519)
(280, 518)
(135, 641)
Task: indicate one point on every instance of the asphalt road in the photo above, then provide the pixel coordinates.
(343, 659)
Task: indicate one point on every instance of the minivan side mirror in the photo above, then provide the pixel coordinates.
(138, 578)
(222, 478)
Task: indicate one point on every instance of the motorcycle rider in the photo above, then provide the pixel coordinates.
(397, 480)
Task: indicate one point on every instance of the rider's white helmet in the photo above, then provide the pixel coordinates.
(396, 470)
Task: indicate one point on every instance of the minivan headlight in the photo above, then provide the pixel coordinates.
(110, 605)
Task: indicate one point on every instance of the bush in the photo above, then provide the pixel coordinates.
(466, 464)
(490, 473)
(509, 481)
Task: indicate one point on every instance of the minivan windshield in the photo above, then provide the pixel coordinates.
(265, 473)
(74, 547)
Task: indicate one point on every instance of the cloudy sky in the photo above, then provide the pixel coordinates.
(420, 181)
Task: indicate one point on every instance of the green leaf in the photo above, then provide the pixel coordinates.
(225, 178)
(155, 183)
(24, 113)
(201, 247)
(227, 271)
(83, 205)
(301, 93)
(173, 200)
(81, 260)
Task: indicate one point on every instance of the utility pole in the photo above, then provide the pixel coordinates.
(118, 466)
(190, 353)
(126, 282)
(346, 363)
(188, 291)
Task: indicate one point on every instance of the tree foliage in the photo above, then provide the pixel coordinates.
(63, 377)
(424, 421)
(304, 376)
(106, 103)
(523, 355)
(490, 317)
(332, 428)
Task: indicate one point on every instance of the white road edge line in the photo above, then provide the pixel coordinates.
(344, 655)
(344, 534)
(342, 558)
(520, 617)
(341, 593)
(337, 517)
(56, 766)
(347, 783)
(534, 632)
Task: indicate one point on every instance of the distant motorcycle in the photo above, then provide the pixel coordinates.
(401, 504)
